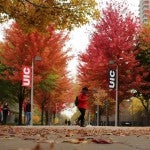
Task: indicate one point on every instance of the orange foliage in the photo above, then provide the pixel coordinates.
(19, 49)
(36, 119)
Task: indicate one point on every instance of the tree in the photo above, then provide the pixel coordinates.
(114, 40)
(99, 98)
(136, 106)
(55, 91)
(7, 89)
(19, 49)
(142, 85)
(39, 14)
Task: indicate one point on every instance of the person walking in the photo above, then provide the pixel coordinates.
(82, 106)
(6, 111)
(24, 109)
(1, 113)
(28, 112)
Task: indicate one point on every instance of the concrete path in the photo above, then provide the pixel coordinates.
(74, 138)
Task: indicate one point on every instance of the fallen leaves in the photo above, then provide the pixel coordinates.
(101, 141)
(87, 140)
(53, 135)
(45, 132)
(73, 141)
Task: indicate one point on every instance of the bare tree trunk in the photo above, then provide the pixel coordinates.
(42, 115)
(21, 95)
(42, 108)
(46, 116)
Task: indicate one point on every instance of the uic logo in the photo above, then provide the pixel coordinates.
(26, 81)
(112, 76)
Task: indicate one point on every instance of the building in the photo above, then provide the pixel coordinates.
(144, 9)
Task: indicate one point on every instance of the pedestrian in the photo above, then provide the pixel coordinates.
(69, 122)
(6, 111)
(66, 121)
(82, 106)
(28, 112)
(1, 113)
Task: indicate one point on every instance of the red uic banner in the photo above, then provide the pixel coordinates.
(26, 78)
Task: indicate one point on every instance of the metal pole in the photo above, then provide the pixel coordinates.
(89, 118)
(36, 58)
(32, 81)
(117, 110)
(132, 114)
(97, 115)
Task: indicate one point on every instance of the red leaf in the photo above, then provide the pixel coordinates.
(101, 141)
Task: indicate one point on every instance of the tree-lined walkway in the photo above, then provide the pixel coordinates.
(74, 138)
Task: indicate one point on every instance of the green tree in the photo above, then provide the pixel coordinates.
(7, 89)
(44, 88)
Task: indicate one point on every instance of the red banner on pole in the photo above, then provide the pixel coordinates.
(26, 78)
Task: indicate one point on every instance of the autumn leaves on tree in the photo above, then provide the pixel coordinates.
(49, 74)
(34, 15)
(114, 40)
(114, 43)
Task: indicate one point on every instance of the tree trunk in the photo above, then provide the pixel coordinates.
(20, 111)
(42, 114)
(46, 116)
(21, 96)
(107, 120)
(107, 114)
(147, 117)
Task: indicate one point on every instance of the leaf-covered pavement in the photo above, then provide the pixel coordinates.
(73, 135)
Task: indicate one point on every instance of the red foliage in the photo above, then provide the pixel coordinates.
(114, 40)
(19, 49)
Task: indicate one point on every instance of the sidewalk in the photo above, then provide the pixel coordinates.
(74, 138)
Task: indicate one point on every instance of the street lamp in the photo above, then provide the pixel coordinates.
(36, 58)
(114, 83)
(133, 91)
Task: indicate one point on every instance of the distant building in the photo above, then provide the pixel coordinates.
(144, 9)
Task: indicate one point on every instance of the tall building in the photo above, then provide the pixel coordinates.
(144, 9)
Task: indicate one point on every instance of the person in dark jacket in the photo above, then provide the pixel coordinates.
(82, 105)
(1, 113)
(6, 111)
(28, 112)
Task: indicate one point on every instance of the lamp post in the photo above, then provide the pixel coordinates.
(133, 91)
(113, 83)
(98, 113)
(36, 58)
(117, 104)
